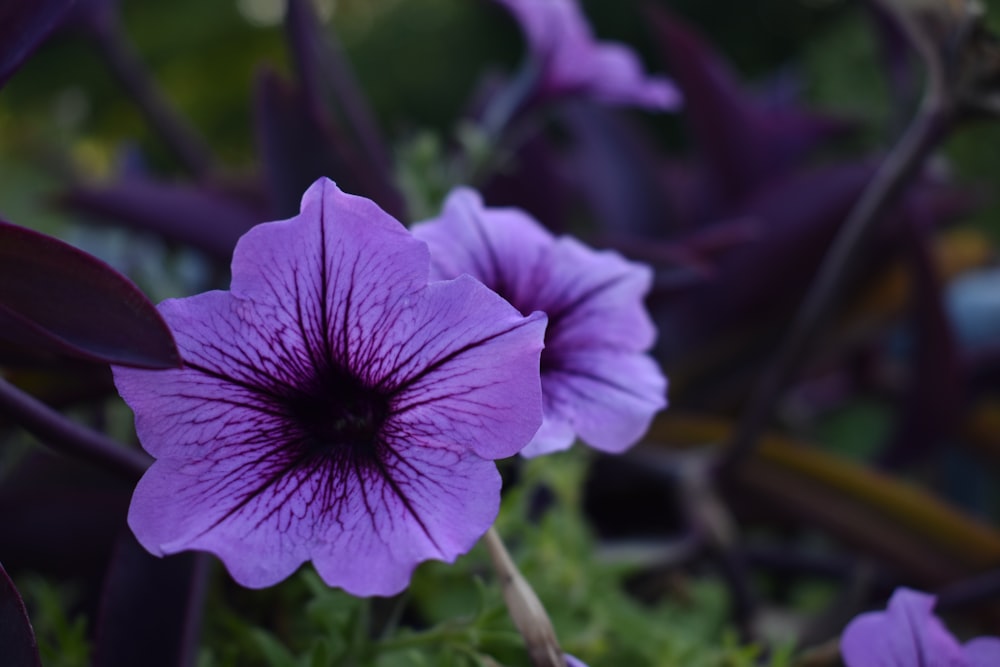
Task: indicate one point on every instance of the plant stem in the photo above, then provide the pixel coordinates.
(901, 165)
(525, 608)
(68, 437)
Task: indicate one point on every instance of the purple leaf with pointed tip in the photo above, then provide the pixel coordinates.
(615, 170)
(329, 88)
(23, 26)
(130, 630)
(298, 145)
(77, 304)
(745, 142)
(17, 639)
(202, 217)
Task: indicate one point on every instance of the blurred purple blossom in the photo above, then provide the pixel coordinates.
(907, 634)
(597, 382)
(333, 406)
(570, 61)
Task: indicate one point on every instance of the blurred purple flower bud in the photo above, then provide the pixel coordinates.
(572, 62)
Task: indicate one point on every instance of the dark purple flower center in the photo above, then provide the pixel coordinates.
(339, 415)
(550, 354)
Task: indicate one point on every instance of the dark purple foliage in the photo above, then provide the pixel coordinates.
(130, 630)
(744, 142)
(17, 639)
(329, 89)
(298, 144)
(23, 26)
(61, 299)
(204, 217)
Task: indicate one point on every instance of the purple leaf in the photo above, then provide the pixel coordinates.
(151, 608)
(205, 218)
(53, 506)
(17, 639)
(23, 26)
(536, 181)
(66, 300)
(616, 171)
(745, 141)
(298, 145)
(760, 280)
(329, 87)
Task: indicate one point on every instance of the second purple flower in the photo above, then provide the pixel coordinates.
(597, 382)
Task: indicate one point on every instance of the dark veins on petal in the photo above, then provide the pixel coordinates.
(560, 317)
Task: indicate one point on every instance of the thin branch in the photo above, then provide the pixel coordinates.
(67, 436)
(903, 163)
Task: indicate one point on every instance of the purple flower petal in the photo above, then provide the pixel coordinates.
(982, 652)
(597, 382)
(333, 407)
(573, 62)
(906, 634)
(572, 661)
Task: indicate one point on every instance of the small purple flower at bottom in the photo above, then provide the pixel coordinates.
(572, 661)
(572, 62)
(597, 382)
(333, 406)
(908, 634)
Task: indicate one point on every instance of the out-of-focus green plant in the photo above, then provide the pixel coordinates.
(461, 616)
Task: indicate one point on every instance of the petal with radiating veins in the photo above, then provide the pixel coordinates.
(334, 406)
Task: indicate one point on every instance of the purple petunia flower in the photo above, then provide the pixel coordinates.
(572, 62)
(333, 406)
(908, 633)
(597, 383)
